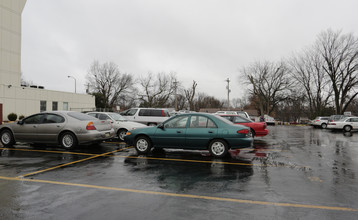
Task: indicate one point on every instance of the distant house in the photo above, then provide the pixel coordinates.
(20, 99)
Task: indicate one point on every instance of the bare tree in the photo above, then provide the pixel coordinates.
(108, 83)
(205, 101)
(307, 70)
(240, 103)
(270, 84)
(190, 95)
(340, 54)
(156, 90)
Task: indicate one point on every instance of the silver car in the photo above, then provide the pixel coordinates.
(120, 124)
(66, 128)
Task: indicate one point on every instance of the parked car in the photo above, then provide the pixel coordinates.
(195, 131)
(320, 121)
(269, 120)
(66, 128)
(147, 116)
(347, 124)
(120, 124)
(257, 128)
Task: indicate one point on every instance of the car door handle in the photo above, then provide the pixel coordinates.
(210, 132)
(179, 132)
(35, 126)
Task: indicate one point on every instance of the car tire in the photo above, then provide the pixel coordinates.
(143, 145)
(324, 125)
(121, 134)
(253, 134)
(347, 128)
(218, 148)
(68, 140)
(7, 138)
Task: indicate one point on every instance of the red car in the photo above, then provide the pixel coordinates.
(257, 128)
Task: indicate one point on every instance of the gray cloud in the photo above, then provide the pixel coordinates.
(202, 40)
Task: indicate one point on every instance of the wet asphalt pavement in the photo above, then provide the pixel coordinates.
(296, 172)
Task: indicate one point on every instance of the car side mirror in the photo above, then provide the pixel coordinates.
(161, 126)
(21, 122)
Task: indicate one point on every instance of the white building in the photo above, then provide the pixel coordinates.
(20, 99)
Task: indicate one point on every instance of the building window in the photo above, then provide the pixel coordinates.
(54, 106)
(65, 106)
(42, 106)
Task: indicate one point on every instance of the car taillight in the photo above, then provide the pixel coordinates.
(163, 114)
(90, 126)
(244, 131)
(317, 120)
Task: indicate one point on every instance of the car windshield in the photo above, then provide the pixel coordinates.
(117, 117)
(342, 119)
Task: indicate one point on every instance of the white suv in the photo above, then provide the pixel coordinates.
(320, 121)
(147, 116)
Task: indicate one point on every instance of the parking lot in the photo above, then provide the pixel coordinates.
(295, 172)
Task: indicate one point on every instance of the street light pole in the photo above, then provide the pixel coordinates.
(75, 81)
(228, 93)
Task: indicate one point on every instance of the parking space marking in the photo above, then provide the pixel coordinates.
(73, 162)
(243, 201)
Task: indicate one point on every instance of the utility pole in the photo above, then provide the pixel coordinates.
(175, 94)
(228, 93)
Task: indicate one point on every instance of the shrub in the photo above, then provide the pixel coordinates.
(21, 117)
(12, 117)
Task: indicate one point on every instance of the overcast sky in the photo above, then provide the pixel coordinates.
(202, 40)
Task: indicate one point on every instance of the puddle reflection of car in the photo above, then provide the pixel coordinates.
(257, 128)
(195, 131)
(66, 128)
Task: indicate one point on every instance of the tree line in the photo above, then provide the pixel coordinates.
(322, 79)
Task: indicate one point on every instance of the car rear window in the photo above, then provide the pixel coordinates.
(154, 112)
(81, 116)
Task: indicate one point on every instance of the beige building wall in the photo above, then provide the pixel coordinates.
(10, 41)
(14, 97)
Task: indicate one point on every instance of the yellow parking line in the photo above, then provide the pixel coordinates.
(243, 201)
(73, 162)
(110, 142)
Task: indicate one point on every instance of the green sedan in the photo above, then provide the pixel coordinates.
(194, 131)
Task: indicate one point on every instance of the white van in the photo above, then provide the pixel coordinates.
(147, 116)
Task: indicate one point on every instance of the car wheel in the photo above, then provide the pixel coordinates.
(68, 140)
(347, 128)
(142, 145)
(218, 148)
(324, 125)
(253, 134)
(7, 139)
(121, 134)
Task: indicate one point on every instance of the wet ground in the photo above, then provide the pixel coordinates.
(296, 172)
